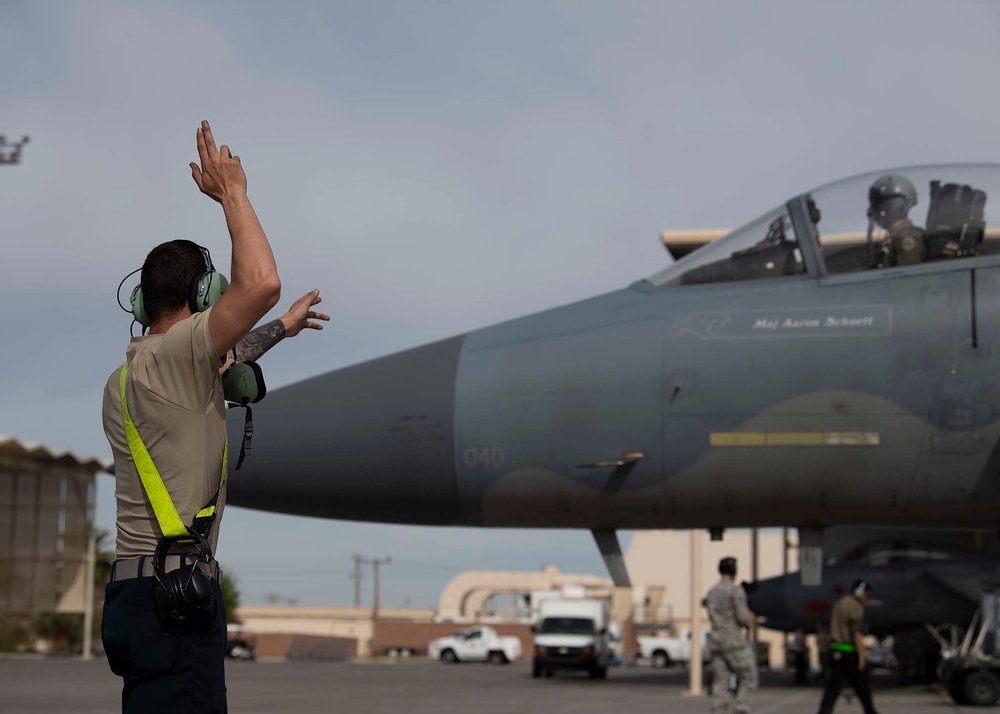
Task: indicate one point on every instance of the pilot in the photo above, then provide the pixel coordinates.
(890, 199)
(847, 651)
(731, 654)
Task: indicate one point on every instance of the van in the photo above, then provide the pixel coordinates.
(572, 635)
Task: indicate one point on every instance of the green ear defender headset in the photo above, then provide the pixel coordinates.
(206, 289)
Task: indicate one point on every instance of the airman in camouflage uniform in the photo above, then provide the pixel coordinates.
(728, 611)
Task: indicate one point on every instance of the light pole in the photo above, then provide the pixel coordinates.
(694, 664)
(10, 151)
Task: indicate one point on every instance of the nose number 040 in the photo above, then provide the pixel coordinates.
(475, 456)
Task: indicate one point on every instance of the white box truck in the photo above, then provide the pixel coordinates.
(572, 634)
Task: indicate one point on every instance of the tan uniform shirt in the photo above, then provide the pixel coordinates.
(846, 619)
(175, 399)
(727, 609)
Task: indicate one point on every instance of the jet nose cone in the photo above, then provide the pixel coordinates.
(371, 442)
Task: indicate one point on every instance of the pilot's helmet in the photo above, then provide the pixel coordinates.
(890, 198)
(727, 566)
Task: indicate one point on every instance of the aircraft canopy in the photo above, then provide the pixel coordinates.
(855, 225)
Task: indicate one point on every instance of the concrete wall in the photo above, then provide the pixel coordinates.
(338, 622)
(396, 634)
(287, 646)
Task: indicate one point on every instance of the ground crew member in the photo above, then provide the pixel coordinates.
(731, 654)
(847, 652)
(890, 199)
(823, 646)
(165, 419)
(798, 655)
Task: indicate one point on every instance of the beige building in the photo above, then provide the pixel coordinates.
(465, 598)
(659, 564)
(463, 601)
(354, 623)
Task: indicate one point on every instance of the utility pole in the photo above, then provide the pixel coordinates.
(784, 572)
(88, 594)
(755, 576)
(91, 576)
(10, 151)
(356, 577)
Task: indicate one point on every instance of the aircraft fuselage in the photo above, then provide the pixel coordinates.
(868, 398)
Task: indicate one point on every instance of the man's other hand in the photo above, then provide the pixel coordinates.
(299, 315)
(221, 175)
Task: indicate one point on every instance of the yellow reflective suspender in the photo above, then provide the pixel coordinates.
(163, 507)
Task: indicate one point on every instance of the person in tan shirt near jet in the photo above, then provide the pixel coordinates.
(847, 650)
(168, 395)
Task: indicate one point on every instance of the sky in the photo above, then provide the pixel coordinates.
(432, 168)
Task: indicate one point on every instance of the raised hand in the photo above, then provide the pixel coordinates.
(299, 315)
(220, 175)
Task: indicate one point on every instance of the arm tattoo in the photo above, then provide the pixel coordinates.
(259, 341)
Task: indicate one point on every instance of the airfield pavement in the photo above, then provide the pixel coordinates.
(419, 686)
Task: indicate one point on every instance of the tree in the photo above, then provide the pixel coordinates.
(230, 596)
(14, 635)
(63, 629)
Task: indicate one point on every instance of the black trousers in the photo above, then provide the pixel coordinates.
(168, 667)
(844, 665)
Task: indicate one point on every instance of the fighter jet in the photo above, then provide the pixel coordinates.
(915, 582)
(822, 365)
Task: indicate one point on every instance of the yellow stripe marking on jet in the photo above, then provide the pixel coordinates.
(738, 438)
(794, 438)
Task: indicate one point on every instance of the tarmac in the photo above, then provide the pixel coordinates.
(420, 686)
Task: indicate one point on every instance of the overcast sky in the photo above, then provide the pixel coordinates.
(432, 167)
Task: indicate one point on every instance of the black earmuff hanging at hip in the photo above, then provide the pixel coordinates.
(187, 591)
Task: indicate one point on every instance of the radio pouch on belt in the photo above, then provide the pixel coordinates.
(186, 591)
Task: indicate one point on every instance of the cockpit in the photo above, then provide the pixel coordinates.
(896, 219)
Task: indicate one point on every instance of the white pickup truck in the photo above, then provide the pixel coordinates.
(479, 644)
(666, 651)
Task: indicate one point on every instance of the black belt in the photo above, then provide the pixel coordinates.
(142, 567)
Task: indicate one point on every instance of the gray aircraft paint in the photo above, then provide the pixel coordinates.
(905, 595)
(359, 442)
(807, 400)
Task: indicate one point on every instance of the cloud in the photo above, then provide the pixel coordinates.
(433, 168)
